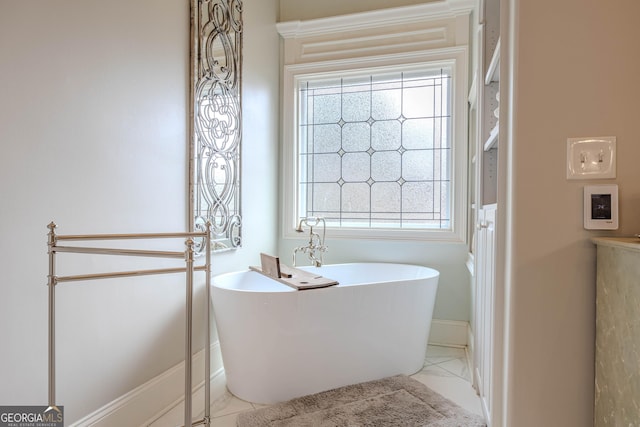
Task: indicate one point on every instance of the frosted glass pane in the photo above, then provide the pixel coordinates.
(417, 133)
(322, 87)
(417, 197)
(355, 198)
(326, 167)
(303, 112)
(385, 166)
(436, 200)
(326, 138)
(306, 139)
(355, 219)
(437, 99)
(444, 131)
(391, 80)
(445, 195)
(386, 135)
(356, 84)
(417, 165)
(306, 165)
(356, 167)
(325, 198)
(445, 165)
(418, 102)
(326, 109)
(437, 161)
(355, 106)
(437, 133)
(306, 193)
(386, 104)
(385, 197)
(356, 137)
(420, 75)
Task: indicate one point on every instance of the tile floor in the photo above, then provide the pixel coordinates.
(445, 371)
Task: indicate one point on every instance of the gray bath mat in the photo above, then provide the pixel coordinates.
(395, 401)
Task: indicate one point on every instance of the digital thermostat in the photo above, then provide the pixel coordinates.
(601, 207)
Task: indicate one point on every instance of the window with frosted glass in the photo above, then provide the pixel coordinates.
(375, 149)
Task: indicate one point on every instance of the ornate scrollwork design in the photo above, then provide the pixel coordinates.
(217, 120)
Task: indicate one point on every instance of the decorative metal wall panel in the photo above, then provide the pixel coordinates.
(216, 127)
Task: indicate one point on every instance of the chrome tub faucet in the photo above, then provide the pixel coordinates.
(315, 248)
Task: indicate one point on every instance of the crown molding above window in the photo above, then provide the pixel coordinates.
(383, 17)
(429, 26)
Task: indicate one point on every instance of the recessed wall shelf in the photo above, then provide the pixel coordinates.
(493, 72)
(492, 141)
(487, 360)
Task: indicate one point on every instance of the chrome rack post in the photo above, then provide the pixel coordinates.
(188, 339)
(207, 343)
(52, 314)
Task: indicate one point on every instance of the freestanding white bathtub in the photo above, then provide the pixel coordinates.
(278, 343)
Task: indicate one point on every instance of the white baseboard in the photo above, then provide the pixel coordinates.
(452, 333)
(146, 402)
(470, 352)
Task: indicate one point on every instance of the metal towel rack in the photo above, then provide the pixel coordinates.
(189, 269)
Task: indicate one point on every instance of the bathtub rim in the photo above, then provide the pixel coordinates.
(282, 288)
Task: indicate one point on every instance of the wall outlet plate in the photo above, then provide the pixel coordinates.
(591, 158)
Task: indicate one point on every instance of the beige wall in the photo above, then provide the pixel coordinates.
(576, 74)
(93, 133)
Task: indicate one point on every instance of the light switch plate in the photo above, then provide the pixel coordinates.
(591, 158)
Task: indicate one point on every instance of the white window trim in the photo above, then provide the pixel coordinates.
(450, 53)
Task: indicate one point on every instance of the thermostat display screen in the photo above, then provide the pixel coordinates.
(601, 206)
